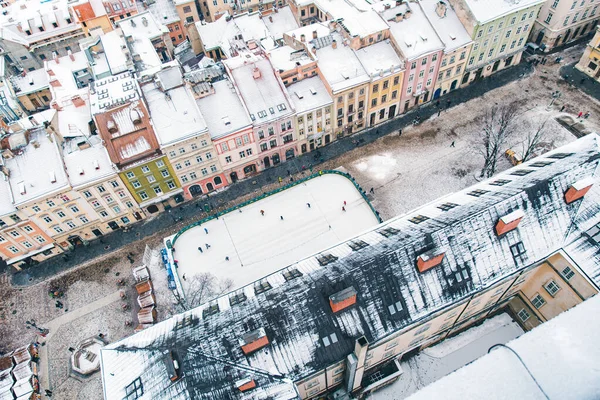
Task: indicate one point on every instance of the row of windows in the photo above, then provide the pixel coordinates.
(448, 73)
(424, 61)
(452, 59)
(199, 159)
(157, 190)
(146, 169)
(309, 117)
(513, 20)
(193, 175)
(411, 77)
(13, 249)
(491, 52)
(576, 16)
(385, 84)
(361, 92)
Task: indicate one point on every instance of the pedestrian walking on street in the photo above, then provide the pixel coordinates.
(200, 249)
(452, 144)
(582, 81)
(183, 276)
(437, 103)
(448, 102)
(563, 108)
(206, 230)
(308, 204)
(439, 111)
(227, 258)
(262, 212)
(580, 114)
(344, 202)
(372, 191)
(207, 246)
(281, 216)
(343, 208)
(280, 180)
(587, 114)
(399, 132)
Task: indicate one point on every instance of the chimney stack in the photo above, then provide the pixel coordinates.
(315, 36)
(334, 44)
(270, 18)
(302, 38)
(71, 56)
(55, 56)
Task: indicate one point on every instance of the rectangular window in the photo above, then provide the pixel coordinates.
(178, 166)
(538, 301)
(523, 315)
(568, 273)
(47, 219)
(14, 234)
(517, 249)
(213, 168)
(58, 229)
(164, 173)
(145, 168)
(228, 159)
(151, 178)
(13, 249)
(129, 204)
(84, 219)
(552, 288)
(114, 184)
(50, 203)
(36, 209)
(27, 228)
(121, 193)
(130, 175)
(143, 195)
(74, 209)
(61, 214)
(40, 239)
(157, 190)
(161, 163)
(549, 17)
(136, 184)
(71, 224)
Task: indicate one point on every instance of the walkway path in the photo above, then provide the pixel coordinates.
(54, 325)
(166, 221)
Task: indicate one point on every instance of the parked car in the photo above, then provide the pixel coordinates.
(532, 48)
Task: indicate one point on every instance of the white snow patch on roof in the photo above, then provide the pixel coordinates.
(380, 57)
(285, 58)
(313, 92)
(449, 28)
(340, 66)
(283, 21)
(223, 103)
(487, 10)
(86, 164)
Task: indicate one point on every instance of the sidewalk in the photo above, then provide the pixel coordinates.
(166, 221)
(581, 81)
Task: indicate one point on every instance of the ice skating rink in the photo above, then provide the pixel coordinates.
(259, 245)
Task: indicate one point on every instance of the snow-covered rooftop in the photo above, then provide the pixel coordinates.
(75, 115)
(111, 91)
(260, 90)
(86, 160)
(223, 110)
(116, 52)
(31, 82)
(488, 10)
(285, 58)
(561, 354)
(252, 26)
(162, 10)
(448, 27)
(309, 94)
(142, 25)
(296, 313)
(6, 203)
(37, 17)
(174, 112)
(380, 58)
(340, 66)
(26, 181)
(356, 16)
(415, 35)
(63, 72)
(280, 22)
(322, 29)
(218, 34)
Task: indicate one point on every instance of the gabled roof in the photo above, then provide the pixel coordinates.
(296, 315)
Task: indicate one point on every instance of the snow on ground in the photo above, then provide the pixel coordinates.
(438, 361)
(259, 245)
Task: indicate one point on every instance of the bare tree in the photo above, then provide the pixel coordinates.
(498, 127)
(205, 286)
(533, 140)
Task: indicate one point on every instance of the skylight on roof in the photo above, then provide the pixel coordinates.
(541, 164)
(387, 232)
(212, 309)
(291, 274)
(325, 259)
(329, 340)
(252, 117)
(237, 298)
(521, 172)
(417, 219)
(447, 206)
(262, 286)
(478, 192)
(281, 107)
(358, 244)
(500, 182)
(262, 114)
(559, 156)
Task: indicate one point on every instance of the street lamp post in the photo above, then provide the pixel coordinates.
(555, 95)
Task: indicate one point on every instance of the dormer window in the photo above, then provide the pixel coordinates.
(578, 190)
(342, 299)
(212, 309)
(429, 260)
(509, 222)
(253, 341)
(325, 259)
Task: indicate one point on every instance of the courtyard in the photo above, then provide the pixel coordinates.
(243, 245)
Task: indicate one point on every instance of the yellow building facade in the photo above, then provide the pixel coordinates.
(589, 63)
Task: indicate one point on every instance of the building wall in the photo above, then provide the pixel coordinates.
(35, 101)
(195, 162)
(349, 108)
(229, 148)
(113, 204)
(314, 129)
(452, 68)
(384, 98)
(499, 43)
(145, 179)
(119, 9)
(590, 60)
(188, 13)
(561, 21)
(20, 238)
(89, 20)
(274, 139)
(176, 32)
(299, 73)
(419, 77)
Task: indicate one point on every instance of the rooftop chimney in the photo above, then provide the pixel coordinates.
(270, 18)
(334, 44)
(50, 72)
(399, 17)
(245, 384)
(253, 341)
(315, 35)
(71, 56)
(429, 260)
(256, 73)
(509, 222)
(55, 56)
(302, 38)
(342, 299)
(578, 190)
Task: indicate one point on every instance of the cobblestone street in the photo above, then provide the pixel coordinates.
(394, 165)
